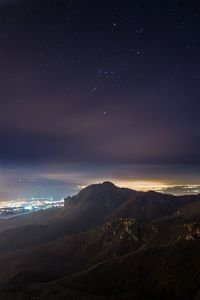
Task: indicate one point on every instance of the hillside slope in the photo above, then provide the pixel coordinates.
(106, 243)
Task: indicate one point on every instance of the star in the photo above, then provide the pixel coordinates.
(94, 89)
(139, 31)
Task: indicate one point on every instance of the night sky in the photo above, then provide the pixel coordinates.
(98, 90)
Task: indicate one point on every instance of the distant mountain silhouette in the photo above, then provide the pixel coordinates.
(95, 202)
(92, 206)
(152, 205)
(106, 243)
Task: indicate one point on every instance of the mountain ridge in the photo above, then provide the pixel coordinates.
(106, 243)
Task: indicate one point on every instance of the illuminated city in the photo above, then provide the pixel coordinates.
(20, 206)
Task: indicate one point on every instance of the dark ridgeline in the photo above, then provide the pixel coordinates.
(106, 243)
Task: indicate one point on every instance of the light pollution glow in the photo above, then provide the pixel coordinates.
(176, 189)
(59, 183)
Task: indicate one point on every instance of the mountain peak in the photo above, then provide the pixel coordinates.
(97, 201)
(108, 183)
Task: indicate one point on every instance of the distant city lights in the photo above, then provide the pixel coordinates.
(26, 205)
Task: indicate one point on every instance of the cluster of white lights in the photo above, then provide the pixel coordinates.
(24, 205)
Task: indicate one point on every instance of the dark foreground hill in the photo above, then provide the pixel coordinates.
(107, 243)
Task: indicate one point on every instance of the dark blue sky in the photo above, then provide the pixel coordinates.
(101, 88)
